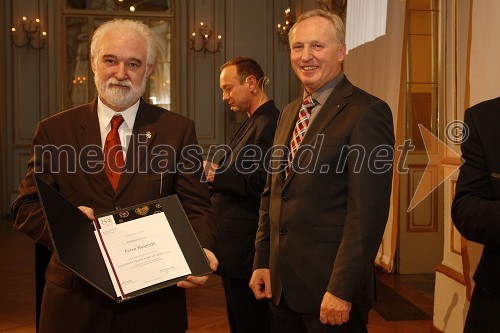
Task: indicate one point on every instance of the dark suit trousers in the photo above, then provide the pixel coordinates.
(483, 313)
(245, 313)
(162, 311)
(285, 320)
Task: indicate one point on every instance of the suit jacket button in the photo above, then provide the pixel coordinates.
(284, 198)
(283, 231)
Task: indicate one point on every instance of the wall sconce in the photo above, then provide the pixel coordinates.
(29, 34)
(283, 29)
(79, 80)
(202, 38)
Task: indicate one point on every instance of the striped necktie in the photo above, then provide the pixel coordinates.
(300, 127)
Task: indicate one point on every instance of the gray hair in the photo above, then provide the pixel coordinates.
(339, 29)
(142, 29)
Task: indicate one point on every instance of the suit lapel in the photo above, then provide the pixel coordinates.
(89, 135)
(286, 124)
(289, 119)
(143, 135)
(241, 132)
(335, 103)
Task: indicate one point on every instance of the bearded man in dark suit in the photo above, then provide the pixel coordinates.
(476, 211)
(123, 53)
(325, 205)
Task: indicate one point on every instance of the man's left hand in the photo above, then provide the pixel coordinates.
(334, 310)
(196, 281)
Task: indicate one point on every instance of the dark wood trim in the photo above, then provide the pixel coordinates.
(434, 329)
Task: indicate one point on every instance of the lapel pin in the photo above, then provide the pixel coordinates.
(148, 135)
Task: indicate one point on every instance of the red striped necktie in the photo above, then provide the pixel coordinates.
(300, 127)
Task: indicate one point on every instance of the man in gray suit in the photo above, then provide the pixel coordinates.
(325, 205)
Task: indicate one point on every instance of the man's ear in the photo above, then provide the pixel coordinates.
(149, 70)
(252, 82)
(342, 52)
(92, 64)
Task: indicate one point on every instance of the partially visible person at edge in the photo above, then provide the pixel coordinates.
(123, 53)
(476, 211)
(320, 229)
(237, 183)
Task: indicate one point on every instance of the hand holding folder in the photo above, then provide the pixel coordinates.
(127, 252)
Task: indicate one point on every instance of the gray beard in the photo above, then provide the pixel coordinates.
(119, 98)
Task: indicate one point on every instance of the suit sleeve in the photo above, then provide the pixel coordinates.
(369, 191)
(475, 212)
(263, 236)
(262, 240)
(194, 194)
(246, 176)
(27, 213)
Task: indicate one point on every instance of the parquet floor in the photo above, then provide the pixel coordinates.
(206, 305)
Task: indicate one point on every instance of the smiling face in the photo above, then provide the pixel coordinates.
(120, 68)
(315, 53)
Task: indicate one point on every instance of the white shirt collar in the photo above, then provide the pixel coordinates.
(105, 114)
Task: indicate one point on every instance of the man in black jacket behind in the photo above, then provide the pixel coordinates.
(237, 183)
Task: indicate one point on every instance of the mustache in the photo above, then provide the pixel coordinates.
(115, 81)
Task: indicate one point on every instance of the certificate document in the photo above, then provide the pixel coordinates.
(139, 252)
(128, 252)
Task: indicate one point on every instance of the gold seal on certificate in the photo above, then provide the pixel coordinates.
(142, 210)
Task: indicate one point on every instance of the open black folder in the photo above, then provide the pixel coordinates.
(76, 246)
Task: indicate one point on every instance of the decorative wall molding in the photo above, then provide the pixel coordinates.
(451, 273)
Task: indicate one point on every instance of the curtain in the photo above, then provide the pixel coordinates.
(375, 66)
(365, 21)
